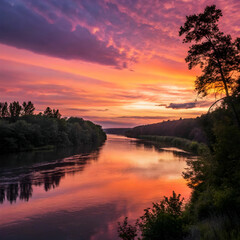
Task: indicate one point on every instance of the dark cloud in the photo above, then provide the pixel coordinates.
(23, 28)
(182, 105)
(101, 110)
(113, 124)
(188, 105)
(88, 110)
(144, 117)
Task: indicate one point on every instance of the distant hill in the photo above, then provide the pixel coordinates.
(189, 128)
(118, 131)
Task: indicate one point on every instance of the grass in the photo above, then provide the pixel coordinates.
(222, 227)
(43, 148)
(185, 144)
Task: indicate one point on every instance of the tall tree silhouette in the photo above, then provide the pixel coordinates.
(15, 110)
(216, 53)
(4, 110)
(28, 108)
(52, 113)
(56, 114)
(48, 112)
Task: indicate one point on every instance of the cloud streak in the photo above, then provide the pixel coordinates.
(144, 117)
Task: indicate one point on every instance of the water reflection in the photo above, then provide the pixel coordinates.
(161, 147)
(20, 172)
(73, 195)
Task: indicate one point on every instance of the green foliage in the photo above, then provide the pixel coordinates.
(26, 131)
(164, 221)
(183, 128)
(219, 227)
(214, 178)
(191, 146)
(126, 231)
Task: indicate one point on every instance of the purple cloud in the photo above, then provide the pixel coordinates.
(188, 105)
(96, 30)
(145, 117)
(182, 105)
(23, 28)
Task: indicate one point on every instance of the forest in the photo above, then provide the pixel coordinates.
(22, 130)
(189, 128)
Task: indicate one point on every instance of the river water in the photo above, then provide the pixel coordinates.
(83, 193)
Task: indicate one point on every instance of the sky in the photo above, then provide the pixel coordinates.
(118, 63)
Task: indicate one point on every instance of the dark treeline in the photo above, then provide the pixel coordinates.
(21, 129)
(190, 128)
(117, 131)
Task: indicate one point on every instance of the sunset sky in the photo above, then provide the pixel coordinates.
(118, 63)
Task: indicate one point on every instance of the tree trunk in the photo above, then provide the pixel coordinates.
(225, 85)
(229, 99)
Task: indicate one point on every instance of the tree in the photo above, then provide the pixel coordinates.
(165, 220)
(217, 54)
(15, 110)
(126, 231)
(1, 108)
(28, 108)
(48, 112)
(56, 114)
(52, 113)
(4, 110)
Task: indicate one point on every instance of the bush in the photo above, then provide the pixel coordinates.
(126, 231)
(164, 221)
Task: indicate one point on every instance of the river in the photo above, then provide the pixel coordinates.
(83, 193)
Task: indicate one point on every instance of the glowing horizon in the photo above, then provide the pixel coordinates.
(116, 63)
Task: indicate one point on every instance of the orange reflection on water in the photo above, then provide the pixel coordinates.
(126, 177)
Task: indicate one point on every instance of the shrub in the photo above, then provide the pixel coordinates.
(164, 221)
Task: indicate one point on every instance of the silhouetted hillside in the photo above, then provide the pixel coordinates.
(118, 131)
(189, 128)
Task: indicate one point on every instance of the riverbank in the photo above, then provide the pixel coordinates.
(185, 144)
